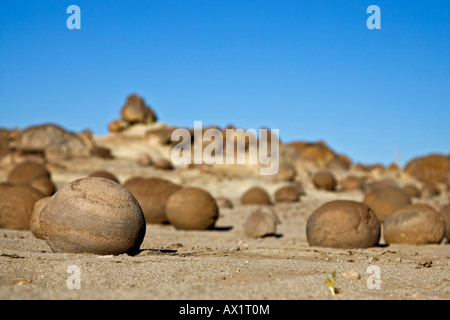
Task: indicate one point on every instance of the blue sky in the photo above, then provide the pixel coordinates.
(310, 68)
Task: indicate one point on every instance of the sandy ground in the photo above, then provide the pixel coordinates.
(225, 264)
(221, 263)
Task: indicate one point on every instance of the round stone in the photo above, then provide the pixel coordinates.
(386, 201)
(412, 191)
(445, 213)
(26, 172)
(105, 175)
(152, 194)
(93, 215)
(288, 194)
(351, 183)
(324, 181)
(192, 209)
(255, 195)
(16, 206)
(343, 224)
(416, 224)
(260, 223)
(35, 223)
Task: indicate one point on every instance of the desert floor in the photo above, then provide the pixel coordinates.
(223, 263)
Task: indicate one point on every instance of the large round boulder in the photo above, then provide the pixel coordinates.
(432, 168)
(255, 195)
(93, 215)
(416, 224)
(445, 213)
(324, 181)
(16, 206)
(152, 194)
(386, 201)
(192, 209)
(343, 224)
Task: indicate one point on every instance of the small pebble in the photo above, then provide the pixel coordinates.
(351, 275)
(426, 263)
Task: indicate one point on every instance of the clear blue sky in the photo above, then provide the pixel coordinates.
(310, 68)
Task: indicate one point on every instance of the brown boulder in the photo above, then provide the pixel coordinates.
(351, 183)
(416, 224)
(54, 141)
(26, 172)
(319, 152)
(288, 194)
(382, 184)
(445, 213)
(105, 175)
(412, 191)
(152, 194)
(136, 111)
(16, 206)
(192, 209)
(93, 215)
(44, 185)
(32, 174)
(35, 223)
(339, 162)
(343, 224)
(325, 181)
(386, 201)
(261, 223)
(4, 186)
(255, 195)
(433, 168)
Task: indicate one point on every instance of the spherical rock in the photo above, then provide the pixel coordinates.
(26, 172)
(351, 183)
(386, 201)
(286, 172)
(382, 184)
(260, 223)
(4, 186)
(432, 168)
(105, 175)
(324, 181)
(255, 195)
(152, 194)
(445, 213)
(192, 209)
(16, 206)
(93, 215)
(288, 194)
(35, 224)
(44, 185)
(416, 224)
(343, 224)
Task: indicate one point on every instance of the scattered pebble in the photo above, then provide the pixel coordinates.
(351, 275)
(425, 263)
